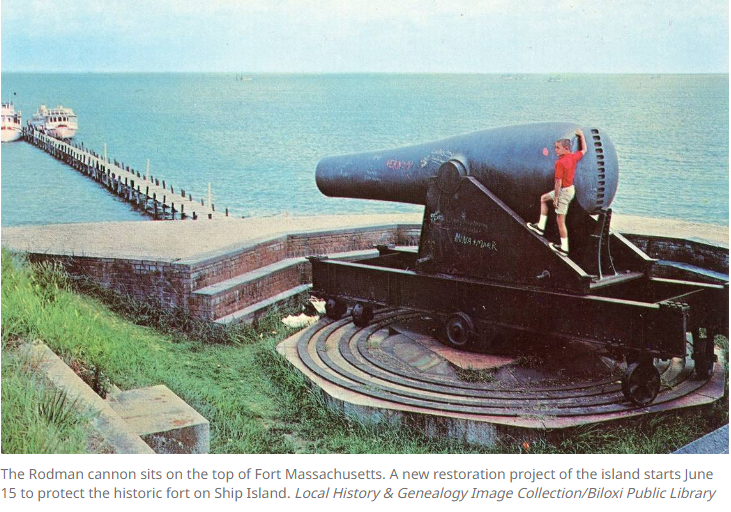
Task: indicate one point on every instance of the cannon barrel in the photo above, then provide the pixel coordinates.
(515, 162)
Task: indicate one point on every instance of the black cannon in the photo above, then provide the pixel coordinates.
(481, 270)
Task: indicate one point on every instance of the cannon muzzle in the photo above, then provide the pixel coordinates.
(516, 163)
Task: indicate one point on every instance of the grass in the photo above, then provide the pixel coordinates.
(35, 417)
(255, 400)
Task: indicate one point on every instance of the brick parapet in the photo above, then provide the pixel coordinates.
(237, 261)
(173, 283)
(165, 284)
(343, 240)
(699, 254)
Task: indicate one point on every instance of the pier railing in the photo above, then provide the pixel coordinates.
(144, 192)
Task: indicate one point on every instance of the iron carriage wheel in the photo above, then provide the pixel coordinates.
(362, 314)
(641, 382)
(335, 308)
(460, 330)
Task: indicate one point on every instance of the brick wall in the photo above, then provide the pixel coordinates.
(695, 253)
(238, 261)
(171, 284)
(310, 244)
(166, 284)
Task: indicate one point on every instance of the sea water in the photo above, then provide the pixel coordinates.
(257, 141)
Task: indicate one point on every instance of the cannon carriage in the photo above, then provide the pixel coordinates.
(481, 271)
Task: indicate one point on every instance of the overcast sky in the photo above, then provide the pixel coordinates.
(453, 36)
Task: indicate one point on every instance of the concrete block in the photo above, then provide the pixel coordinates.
(163, 420)
(715, 442)
(117, 435)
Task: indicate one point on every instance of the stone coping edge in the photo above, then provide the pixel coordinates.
(225, 252)
(112, 428)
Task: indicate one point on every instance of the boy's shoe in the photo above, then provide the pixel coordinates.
(534, 227)
(558, 249)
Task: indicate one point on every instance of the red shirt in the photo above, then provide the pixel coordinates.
(565, 167)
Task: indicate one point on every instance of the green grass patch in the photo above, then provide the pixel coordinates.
(255, 400)
(35, 417)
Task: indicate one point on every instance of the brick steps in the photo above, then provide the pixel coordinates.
(234, 261)
(251, 313)
(226, 297)
(246, 296)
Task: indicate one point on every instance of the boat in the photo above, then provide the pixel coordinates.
(59, 122)
(11, 123)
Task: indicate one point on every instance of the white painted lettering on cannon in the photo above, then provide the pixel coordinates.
(475, 242)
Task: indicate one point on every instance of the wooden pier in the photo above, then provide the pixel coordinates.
(145, 193)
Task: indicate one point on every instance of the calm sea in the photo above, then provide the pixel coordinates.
(258, 141)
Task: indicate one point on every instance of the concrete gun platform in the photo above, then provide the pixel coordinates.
(177, 241)
(188, 241)
(396, 370)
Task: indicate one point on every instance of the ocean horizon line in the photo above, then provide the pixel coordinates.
(360, 73)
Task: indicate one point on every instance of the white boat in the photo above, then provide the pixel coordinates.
(59, 122)
(11, 123)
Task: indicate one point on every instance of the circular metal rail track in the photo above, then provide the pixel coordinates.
(387, 362)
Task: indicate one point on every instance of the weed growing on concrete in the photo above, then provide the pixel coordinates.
(472, 375)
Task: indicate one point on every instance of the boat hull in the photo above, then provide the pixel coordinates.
(10, 134)
(62, 132)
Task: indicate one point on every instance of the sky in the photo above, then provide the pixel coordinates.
(344, 36)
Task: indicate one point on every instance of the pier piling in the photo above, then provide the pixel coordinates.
(119, 178)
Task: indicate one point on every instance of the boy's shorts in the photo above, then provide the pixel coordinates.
(565, 196)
